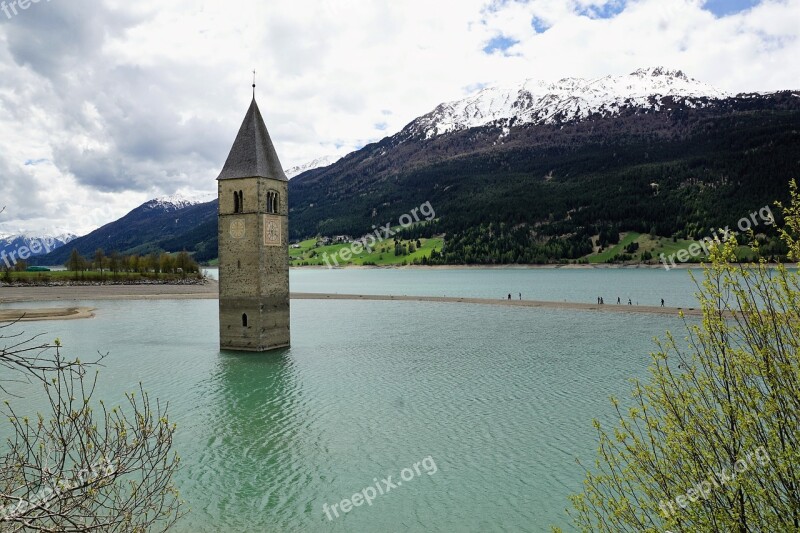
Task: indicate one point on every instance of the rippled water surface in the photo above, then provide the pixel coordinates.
(501, 400)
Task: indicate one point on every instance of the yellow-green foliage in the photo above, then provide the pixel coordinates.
(791, 232)
(729, 391)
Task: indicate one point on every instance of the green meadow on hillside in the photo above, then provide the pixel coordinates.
(383, 254)
(655, 246)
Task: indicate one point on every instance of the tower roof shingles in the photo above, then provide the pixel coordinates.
(252, 154)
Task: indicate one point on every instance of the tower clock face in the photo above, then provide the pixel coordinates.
(272, 231)
(273, 234)
(237, 229)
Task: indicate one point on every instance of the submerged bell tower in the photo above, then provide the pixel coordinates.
(253, 242)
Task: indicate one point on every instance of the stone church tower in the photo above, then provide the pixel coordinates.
(253, 243)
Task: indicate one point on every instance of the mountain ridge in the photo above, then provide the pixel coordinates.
(540, 102)
(556, 178)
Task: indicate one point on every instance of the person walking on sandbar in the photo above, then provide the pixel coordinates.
(662, 302)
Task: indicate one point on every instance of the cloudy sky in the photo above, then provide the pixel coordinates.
(105, 104)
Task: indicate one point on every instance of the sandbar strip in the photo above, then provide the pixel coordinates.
(56, 313)
(673, 311)
(205, 291)
(210, 291)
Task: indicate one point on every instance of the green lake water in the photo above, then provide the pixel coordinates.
(499, 399)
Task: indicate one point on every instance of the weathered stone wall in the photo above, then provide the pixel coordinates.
(254, 277)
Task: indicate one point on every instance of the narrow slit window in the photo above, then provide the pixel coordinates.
(244, 320)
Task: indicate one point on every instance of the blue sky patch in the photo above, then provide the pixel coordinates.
(34, 162)
(539, 25)
(608, 10)
(501, 43)
(723, 8)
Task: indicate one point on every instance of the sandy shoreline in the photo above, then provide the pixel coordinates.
(209, 291)
(206, 291)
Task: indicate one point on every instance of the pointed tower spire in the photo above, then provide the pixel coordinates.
(253, 154)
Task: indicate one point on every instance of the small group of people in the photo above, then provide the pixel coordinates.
(600, 301)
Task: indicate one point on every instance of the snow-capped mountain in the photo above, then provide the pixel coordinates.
(31, 245)
(311, 165)
(176, 202)
(539, 102)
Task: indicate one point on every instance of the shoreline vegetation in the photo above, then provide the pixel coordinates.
(155, 268)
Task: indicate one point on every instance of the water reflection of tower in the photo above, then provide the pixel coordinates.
(262, 445)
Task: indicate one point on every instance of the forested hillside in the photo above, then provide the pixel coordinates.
(675, 173)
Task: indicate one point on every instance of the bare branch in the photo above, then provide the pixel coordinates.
(81, 466)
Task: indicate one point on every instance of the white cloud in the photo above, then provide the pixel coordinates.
(126, 101)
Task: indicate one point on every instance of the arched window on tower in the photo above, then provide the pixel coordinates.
(241, 202)
(272, 203)
(244, 320)
(235, 202)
